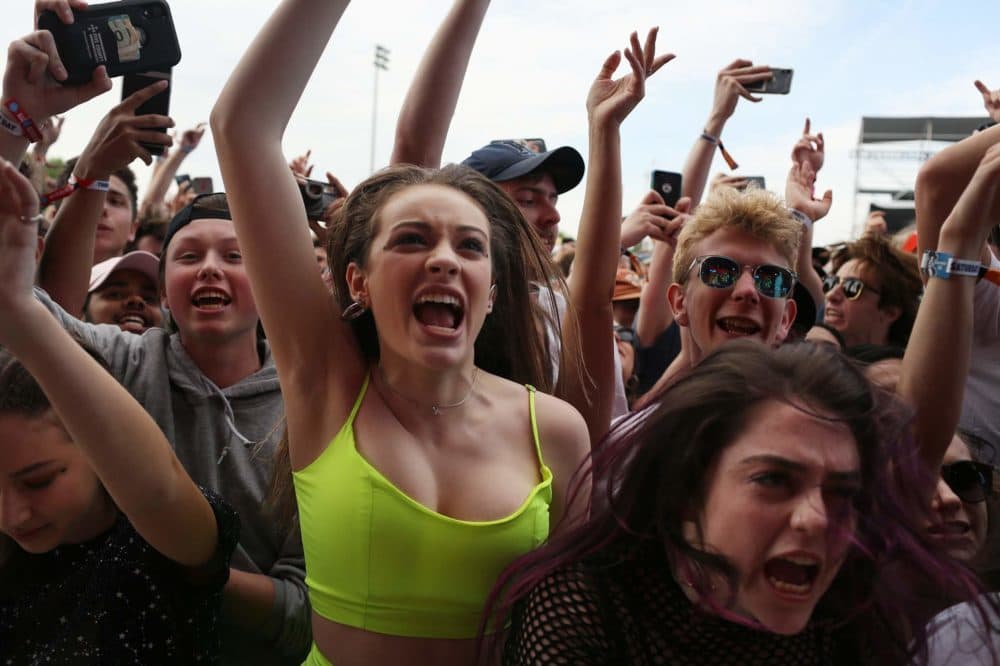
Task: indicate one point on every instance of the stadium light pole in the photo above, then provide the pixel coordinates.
(381, 62)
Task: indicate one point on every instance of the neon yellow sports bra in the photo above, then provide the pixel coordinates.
(378, 560)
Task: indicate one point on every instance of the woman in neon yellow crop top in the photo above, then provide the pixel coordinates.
(422, 464)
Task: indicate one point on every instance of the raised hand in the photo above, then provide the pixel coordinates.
(875, 225)
(611, 100)
(723, 180)
(810, 148)
(653, 218)
(991, 100)
(18, 235)
(192, 137)
(116, 141)
(730, 86)
(32, 77)
(799, 192)
(300, 165)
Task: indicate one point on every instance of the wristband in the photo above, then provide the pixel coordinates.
(716, 141)
(943, 265)
(10, 125)
(802, 217)
(72, 186)
(24, 120)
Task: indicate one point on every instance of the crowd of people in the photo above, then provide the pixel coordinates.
(417, 425)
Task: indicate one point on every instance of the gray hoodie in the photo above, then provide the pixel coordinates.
(225, 438)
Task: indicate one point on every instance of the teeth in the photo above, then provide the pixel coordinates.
(445, 299)
(802, 561)
(789, 587)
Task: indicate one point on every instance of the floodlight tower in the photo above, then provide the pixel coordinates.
(381, 62)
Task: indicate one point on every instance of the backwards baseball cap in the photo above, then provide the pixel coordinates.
(139, 261)
(506, 160)
(213, 206)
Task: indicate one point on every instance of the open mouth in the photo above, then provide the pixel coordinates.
(792, 576)
(738, 327)
(954, 528)
(211, 299)
(439, 311)
(133, 322)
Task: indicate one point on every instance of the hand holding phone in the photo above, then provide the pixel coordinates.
(780, 83)
(119, 137)
(157, 105)
(125, 37)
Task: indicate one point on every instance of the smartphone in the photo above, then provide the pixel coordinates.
(753, 182)
(668, 184)
(158, 104)
(202, 185)
(317, 196)
(779, 83)
(126, 36)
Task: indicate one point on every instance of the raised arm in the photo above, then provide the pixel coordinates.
(730, 85)
(654, 314)
(308, 338)
(808, 156)
(598, 242)
(125, 447)
(64, 271)
(31, 79)
(937, 356)
(423, 122)
(166, 169)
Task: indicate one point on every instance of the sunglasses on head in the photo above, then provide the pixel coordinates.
(852, 287)
(971, 481)
(722, 273)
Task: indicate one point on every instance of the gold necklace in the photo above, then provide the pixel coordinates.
(436, 409)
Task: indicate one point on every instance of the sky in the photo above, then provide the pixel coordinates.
(534, 62)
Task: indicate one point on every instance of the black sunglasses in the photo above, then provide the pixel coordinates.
(852, 287)
(721, 272)
(971, 481)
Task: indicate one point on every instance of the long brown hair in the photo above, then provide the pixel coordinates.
(511, 343)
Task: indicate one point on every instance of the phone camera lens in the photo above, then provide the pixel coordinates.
(667, 188)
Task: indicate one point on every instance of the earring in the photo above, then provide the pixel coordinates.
(493, 294)
(353, 311)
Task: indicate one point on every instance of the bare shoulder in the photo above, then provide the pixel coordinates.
(562, 432)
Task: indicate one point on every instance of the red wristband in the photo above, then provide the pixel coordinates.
(27, 124)
(72, 186)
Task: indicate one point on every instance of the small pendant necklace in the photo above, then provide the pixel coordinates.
(436, 409)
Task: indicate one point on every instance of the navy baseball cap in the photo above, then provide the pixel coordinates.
(507, 160)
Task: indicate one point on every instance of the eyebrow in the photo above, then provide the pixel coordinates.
(554, 196)
(32, 468)
(853, 476)
(426, 226)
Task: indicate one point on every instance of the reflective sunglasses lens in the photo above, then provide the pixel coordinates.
(829, 282)
(967, 480)
(719, 272)
(773, 281)
(852, 288)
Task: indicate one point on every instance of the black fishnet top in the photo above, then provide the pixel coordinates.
(614, 610)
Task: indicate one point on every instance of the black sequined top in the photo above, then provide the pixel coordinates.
(114, 600)
(630, 611)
